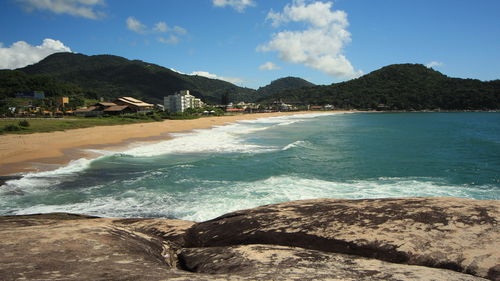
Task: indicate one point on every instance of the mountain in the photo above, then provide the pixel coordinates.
(401, 87)
(112, 76)
(396, 87)
(282, 84)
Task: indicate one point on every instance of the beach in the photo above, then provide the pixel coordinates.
(42, 151)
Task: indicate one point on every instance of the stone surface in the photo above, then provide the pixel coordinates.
(458, 234)
(269, 262)
(383, 239)
(72, 247)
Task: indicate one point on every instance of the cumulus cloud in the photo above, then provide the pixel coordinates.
(175, 70)
(135, 25)
(320, 45)
(233, 80)
(79, 8)
(21, 54)
(434, 64)
(170, 40)
(161, 27)
(269, 66)
(179, 30)
(238, 5)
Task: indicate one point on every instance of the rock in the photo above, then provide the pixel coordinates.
(379, 239)
(269, 262)
(74, 247)
(458, 234)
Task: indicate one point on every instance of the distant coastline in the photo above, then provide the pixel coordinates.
(45, 151)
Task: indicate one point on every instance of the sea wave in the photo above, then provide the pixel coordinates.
(298, 144)
(37, 181)
(218, 198)
(219, 139)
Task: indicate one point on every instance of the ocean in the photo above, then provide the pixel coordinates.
(203, 174)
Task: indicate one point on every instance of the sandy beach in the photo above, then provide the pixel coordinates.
(44, 151)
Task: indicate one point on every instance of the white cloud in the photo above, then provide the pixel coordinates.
(320, 45)
(161, 27)
(233, 80)
(433, 64)
(269, 66)
(135, 25)
(238, 5)
(21, 54)
(179, 30)
(79, 8)
(175, 70)
(171, 40)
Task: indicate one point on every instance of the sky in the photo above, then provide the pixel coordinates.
(253, 42)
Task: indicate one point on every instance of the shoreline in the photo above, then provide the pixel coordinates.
(47, 151)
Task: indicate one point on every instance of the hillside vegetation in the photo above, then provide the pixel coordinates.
(112, 76)
(401, 87)
(282, 84)
(394, 87)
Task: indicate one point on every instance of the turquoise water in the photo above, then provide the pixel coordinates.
(206, 173)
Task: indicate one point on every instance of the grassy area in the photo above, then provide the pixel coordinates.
(11, 126)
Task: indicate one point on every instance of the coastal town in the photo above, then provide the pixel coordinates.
(35, 104)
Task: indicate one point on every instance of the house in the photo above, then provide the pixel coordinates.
(134, 104)
(90, 111)
(62, 101)
(118, 109)
(235, 110)
(121, 105)
(315, 107)
(181, 101)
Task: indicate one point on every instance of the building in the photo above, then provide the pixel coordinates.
(181, 101)
(315, 107)
(62, 101)
(134, 104)
(30, 95)
(123, 105)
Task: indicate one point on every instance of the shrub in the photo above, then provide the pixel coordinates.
(156, 117)
(11, 128)
(24, 123)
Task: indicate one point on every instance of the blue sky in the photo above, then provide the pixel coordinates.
(252, 42)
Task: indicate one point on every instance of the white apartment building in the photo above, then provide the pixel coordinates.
(181, 101)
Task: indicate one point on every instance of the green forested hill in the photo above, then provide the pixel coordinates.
(13, 81)
(397, 87)
(401, 87)
(112, 76)
(282, 84)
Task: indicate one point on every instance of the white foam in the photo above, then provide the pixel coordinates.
(32, 182)
(296, 144)
(214, 198)
(217, 140)
(220, 139)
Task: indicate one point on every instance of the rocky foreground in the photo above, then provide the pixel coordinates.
(326, 239)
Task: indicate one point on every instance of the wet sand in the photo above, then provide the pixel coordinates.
(46, 151)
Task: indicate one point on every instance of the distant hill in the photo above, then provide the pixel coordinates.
(112, 76)
(401, 87)
(282, 84)
(396, 87)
